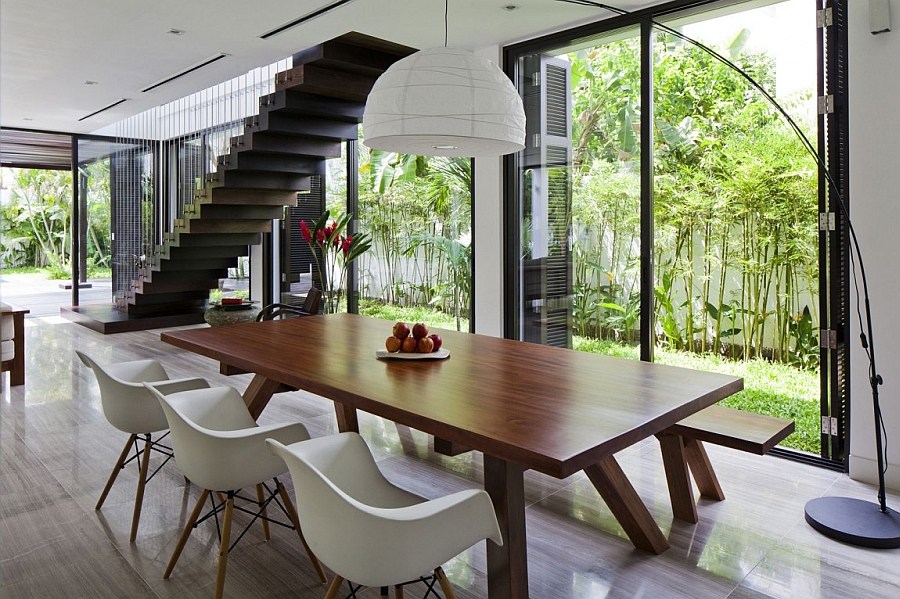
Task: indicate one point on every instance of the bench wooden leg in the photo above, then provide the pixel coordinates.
(681, 492)
(702, 469)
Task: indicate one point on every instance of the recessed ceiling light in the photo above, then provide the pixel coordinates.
(176, 31)
(25, 118)
(510, 7)
(89, 82)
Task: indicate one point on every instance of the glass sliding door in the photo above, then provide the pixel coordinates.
(736, 208)
(578, 196)
(682, 224)
(94, 223)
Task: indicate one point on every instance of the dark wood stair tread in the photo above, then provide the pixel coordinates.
(315, 79)
(262, 197)
(317, 105)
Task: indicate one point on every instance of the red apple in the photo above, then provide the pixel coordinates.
(419, 330)
(392, 344)
(426, 345)
(401, 331)
(409, 345)
(436, 339)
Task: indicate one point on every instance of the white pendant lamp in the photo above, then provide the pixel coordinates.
(444, 102)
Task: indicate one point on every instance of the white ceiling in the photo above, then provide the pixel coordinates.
(49, 48)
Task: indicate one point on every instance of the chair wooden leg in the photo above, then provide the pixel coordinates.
(142, 482)
(260, 497)
(115, 471)
(188, 527)
(445, 584)
(223, 547)
(335, 587)
(292, 514)
(398, 592)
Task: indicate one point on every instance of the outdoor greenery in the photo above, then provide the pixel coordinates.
(418, 212)
(412, 314)
(35, 225)
(735, 206)
(735, 210)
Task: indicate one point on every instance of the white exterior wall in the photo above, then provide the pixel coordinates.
(488, 234)
(874, 79)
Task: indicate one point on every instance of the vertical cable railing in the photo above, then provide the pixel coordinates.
(167, 154)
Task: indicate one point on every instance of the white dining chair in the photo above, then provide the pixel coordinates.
(220, 448)
(370, 532)
(132, 409)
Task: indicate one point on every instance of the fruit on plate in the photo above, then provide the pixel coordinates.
(401, 331)
(426, 345)
(392, 344)
(409, 345)
(436, 339)
(419, 330)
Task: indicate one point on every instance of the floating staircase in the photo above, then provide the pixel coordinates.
(317, 105)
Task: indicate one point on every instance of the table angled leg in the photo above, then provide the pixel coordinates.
(702, 469)
(347, 420)
(626, 505)
(258, 393)
(681, 491)
(507, 566)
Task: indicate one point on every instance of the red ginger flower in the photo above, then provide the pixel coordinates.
(304, 230)
(346, 243)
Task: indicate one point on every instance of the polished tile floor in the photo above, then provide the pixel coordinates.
(56, 450)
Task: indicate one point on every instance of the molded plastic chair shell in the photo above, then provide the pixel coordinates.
(220, 447)
(366, 529)
(127, 405)
(217, 443)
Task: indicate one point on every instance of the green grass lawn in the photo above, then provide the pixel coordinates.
(769, 388)
(53, 274)
(412, 315)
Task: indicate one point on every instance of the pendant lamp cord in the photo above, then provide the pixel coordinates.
(446, 21)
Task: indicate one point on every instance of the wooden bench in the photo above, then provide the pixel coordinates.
(684, 454)
(745, 431)
(16, 364)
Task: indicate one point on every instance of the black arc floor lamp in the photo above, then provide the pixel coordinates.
(845, 519)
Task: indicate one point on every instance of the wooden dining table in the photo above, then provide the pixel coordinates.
(524, 406)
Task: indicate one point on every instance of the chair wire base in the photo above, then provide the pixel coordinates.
(218, 507)
(429, 581)
(156, 446)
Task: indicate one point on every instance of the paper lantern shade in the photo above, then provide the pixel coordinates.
(444, 102)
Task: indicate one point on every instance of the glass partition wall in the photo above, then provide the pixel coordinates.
(579, 190)
(663, 210)
(418, 212)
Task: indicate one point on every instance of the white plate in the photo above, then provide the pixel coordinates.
(435, 355)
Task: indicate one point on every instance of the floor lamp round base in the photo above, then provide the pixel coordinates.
(854, 521)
